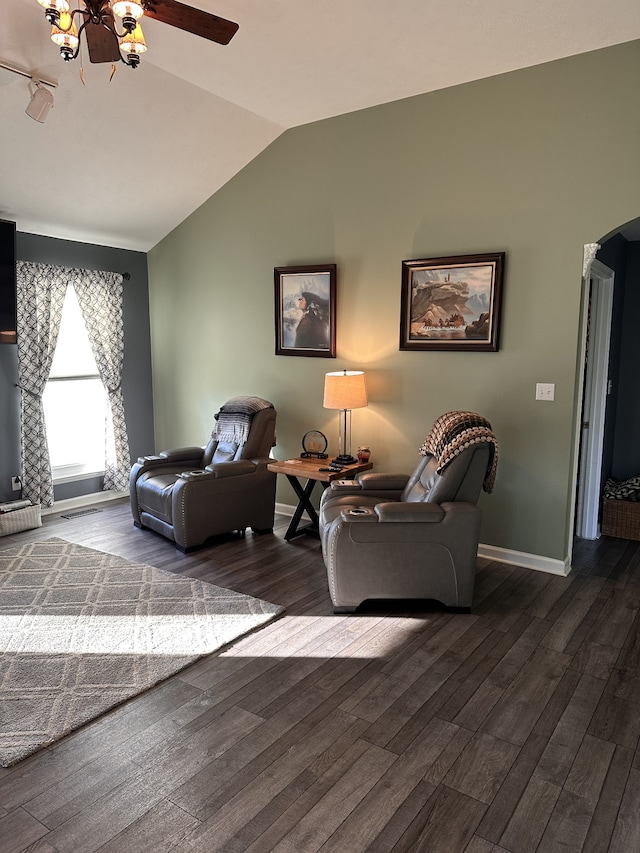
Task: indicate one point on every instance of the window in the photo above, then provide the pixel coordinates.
(75, 401)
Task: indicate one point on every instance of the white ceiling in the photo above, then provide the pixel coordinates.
(121, 163)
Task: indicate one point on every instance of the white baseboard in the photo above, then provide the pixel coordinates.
(288, 510)
(491, 552)
(528, 561)
(83, 500)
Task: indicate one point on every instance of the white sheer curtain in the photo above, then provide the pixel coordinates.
(41, 291)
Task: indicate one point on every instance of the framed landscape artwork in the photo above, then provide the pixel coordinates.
(452, 303)
(305, 304)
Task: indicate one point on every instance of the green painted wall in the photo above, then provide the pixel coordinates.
(535, 162)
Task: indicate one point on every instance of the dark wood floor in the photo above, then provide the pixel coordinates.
(514, 728)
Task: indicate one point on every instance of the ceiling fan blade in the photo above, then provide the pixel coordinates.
(101, 44)
(192, 20)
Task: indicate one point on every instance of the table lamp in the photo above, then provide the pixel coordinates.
(345, 390)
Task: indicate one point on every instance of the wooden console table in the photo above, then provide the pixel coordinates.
(296, 470)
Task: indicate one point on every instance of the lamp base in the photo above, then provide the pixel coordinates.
(345, 459)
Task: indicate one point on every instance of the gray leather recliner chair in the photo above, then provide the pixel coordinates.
(190, 494)
(394, 536)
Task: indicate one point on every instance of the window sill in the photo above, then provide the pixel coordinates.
(74, 478)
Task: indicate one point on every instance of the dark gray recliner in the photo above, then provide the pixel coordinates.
(190, 494)
(394, 536)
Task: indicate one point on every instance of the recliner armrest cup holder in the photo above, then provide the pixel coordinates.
(358, 513)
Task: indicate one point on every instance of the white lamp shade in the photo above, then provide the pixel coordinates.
(345, 389)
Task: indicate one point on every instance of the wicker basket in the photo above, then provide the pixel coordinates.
(621, 519)
(20, 519)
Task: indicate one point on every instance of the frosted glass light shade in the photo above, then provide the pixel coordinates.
(127, 8)
(133, 42)
(58, 5)
(65, 32)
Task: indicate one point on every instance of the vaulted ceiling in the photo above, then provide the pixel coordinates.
(121, 163)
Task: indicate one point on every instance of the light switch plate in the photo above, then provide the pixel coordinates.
(545, 391)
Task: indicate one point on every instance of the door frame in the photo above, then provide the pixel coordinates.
(598, 282)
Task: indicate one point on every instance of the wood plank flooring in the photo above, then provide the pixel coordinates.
(404, 728)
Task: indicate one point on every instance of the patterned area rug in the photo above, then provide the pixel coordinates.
(82, 631)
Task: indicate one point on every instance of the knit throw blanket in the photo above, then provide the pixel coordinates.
(233, 421)
(625, 490)
(452, 433)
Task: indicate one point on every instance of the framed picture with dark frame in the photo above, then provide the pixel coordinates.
(452, 303)
(305, 303)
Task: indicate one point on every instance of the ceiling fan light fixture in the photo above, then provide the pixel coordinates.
(130, 12)
(132, 45)
(65, 35)
(53, 9)
(107, 41)
(126, 9)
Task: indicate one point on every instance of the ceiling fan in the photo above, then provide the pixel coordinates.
(97, 20)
